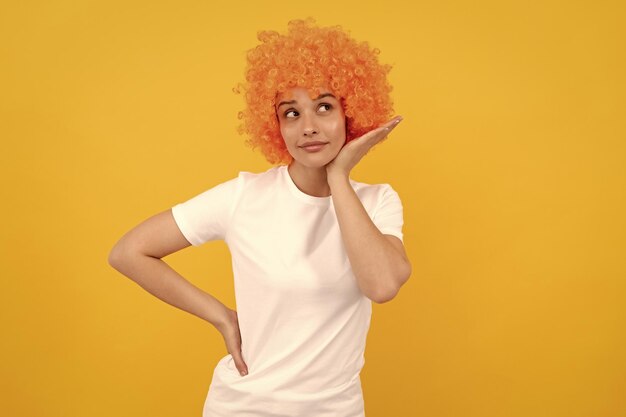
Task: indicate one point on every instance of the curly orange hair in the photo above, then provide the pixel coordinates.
(311, 57)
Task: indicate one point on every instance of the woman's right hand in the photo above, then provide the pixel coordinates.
(232, 338)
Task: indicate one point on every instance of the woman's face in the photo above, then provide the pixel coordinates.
(314, 130)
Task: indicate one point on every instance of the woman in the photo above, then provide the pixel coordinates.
(311, 248)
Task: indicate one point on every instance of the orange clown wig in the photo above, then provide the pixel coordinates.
(311, 57)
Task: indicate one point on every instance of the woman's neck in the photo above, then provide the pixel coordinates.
(311, 181)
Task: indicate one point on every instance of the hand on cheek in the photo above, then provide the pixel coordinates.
(352, 152)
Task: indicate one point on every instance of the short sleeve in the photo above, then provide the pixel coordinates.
(206, 216)
(388, 216)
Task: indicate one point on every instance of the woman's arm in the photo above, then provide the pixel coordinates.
(379, 261)
(138, 255)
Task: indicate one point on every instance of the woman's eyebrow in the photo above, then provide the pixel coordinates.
(321, 96)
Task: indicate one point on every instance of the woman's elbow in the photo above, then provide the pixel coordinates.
(116, 256)
(398, 281)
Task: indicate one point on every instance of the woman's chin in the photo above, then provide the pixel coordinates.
(314, 161)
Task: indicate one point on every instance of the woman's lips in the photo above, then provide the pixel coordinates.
(314, 148)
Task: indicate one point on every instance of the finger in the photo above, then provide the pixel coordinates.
(382, 134)
(393, 122)
(234, 346)
(374, 136)
(390, 125)
(239, 363)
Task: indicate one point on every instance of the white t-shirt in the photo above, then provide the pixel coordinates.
(302, 317)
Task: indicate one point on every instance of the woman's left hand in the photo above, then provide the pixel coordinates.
(353, 151)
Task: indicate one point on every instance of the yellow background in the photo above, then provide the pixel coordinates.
(510, 163)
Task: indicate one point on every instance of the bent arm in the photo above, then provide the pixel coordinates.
(138, 254)
(379, 261)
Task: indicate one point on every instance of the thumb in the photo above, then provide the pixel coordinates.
(232, 337)
(239, 363)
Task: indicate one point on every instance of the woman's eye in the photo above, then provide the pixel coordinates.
(326, 105)
(290, 114)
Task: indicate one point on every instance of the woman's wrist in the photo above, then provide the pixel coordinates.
(220, 315)
(335, 179)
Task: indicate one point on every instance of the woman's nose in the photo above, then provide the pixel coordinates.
(309, 126)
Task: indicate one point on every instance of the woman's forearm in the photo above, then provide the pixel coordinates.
(160, 280)
(378, 267)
